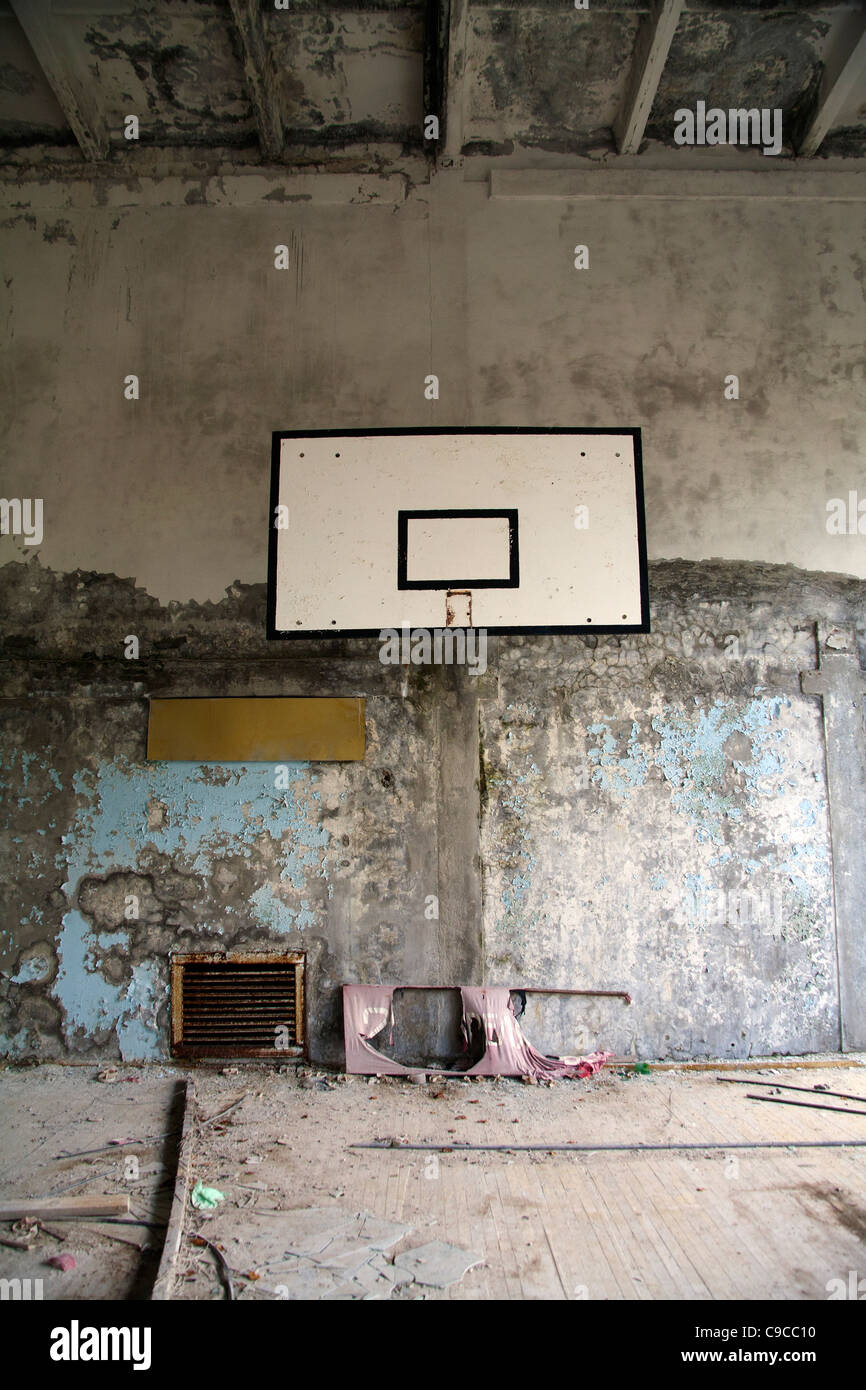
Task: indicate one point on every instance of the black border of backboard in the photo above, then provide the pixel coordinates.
(403, 519)
(314, 634)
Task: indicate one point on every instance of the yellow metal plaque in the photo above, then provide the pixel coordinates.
(267, 730)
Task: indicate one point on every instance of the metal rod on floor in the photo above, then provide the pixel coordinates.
(393, 1144)
(806, 1105)
(784, 1086)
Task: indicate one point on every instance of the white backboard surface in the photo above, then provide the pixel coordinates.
(544, 529)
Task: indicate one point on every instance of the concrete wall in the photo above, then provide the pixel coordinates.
(648, 814)
(656, 820)
(171, 489)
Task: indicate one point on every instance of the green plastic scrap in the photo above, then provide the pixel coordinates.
(206, 1198)
(642, 1068)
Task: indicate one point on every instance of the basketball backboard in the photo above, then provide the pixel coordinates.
(509, 530)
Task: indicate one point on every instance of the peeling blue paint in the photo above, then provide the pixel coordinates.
(210, 812)
(520, 883)
(277, 915)
(32, 971)
(692, 757)
(613, 773)
(137, 1028)
(14, 1046)
(89, 1000)
(209, 808)
(807, 814)
(12, 784)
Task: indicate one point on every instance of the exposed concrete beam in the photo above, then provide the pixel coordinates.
(842, 684)
(844, 72)
(455, 72)
(791, 185)
(651, 49)
(64, 63)
(30, 191)
(261, 75)
(435, 46)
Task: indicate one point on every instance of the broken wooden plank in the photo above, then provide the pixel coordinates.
(174, 1231)
(65, 1208)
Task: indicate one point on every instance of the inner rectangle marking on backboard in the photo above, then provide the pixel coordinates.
(436, 548)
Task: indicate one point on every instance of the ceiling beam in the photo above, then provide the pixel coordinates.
(261, 75)
(435, 45)
(454, 16)
(844, 71)
(796, 183)
(64, 63)
(654, 37)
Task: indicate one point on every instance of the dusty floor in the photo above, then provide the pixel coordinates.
(708, 1224)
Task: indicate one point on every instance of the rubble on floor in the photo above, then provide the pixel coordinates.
(330, 1253)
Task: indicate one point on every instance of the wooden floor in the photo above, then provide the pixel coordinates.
(708, 1224)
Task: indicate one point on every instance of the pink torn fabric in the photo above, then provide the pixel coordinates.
(368, 1010)
(507, 1052)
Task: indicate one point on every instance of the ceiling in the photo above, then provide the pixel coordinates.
(335, 85)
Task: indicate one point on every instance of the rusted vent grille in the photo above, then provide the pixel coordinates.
(237, 1006)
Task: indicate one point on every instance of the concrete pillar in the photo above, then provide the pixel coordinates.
(841, 685)
(459, 821)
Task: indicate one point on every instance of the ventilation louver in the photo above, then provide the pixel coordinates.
(237, 1005)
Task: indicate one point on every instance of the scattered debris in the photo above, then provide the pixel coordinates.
(65, 1208)
(206, 1198)
(137, 1243)
(329, 1253)
(117, 1144)
(63, 1262)
(437, 1264)
(25, 1240)
(50, 1231)
(785, 1086)
(225, 1272)
(221, 1114)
